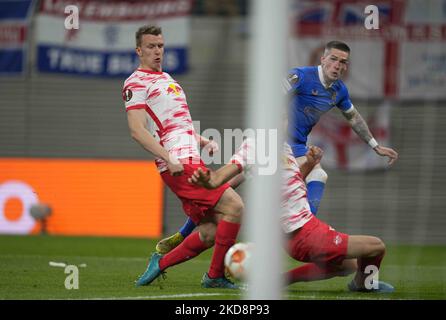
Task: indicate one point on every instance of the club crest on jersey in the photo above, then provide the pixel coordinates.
(292, 78)
(314, 92)
(337, 240)
(127, 95)
(173, 88)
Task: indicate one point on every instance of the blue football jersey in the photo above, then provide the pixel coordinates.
(309, 100)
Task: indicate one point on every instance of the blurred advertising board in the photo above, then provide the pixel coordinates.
(87, 197)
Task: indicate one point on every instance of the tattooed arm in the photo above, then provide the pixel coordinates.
(359, 125)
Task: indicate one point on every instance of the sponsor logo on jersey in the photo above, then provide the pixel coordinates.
(175, 89)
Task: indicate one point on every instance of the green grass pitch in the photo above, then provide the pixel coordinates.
(113, 264)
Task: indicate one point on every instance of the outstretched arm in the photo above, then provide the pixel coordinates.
(210, 145)
(137, 122)
(359, 125)
(214, 179)
(237, 180)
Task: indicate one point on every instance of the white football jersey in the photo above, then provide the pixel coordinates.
(295, 207)
(170, 122)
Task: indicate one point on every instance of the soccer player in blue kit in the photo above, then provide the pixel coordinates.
(312, 91)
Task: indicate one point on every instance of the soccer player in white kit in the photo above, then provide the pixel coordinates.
(159, 120)
(327, 252)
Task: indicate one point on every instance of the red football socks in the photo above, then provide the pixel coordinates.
(191, 247)
(224, 239)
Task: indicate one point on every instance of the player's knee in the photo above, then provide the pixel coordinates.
(239, 208)
(208, 241)
(236, 207)
(207, 234)
(376, 247)
(380, 246)
(235, 214)
(231, 206)
(317, 174)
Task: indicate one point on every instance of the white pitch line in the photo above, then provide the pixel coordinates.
(136, 259)
(74, 257)
(167, 296)
(359, 297)
(288, 296)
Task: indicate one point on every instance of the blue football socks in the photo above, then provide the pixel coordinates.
(187, 228)
(315, 192)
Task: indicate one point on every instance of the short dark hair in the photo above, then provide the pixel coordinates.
(154, 30)
(337, 45)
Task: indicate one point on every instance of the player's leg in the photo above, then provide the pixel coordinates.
(230, 206)
(316, 181)
(369, 252)
(323, 248)
(167, 244)
(191, 247)
(321, 271)
(196, 202)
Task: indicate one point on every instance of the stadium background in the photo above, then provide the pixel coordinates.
(58, 116)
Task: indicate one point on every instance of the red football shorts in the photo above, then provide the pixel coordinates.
(319, 243)
(197, 201)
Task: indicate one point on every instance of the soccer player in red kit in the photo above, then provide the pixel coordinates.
(327, 252)
(159, 120)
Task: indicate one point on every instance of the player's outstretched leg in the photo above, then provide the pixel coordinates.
(191, 247)
(369, 252)
(167, 244)
(152, 272)
(231, 206)
(320, 271)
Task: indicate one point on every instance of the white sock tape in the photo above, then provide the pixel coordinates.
(317, 174)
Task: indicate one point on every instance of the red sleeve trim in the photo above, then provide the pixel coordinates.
(136, 106)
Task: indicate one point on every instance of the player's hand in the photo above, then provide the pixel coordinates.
(175, 167)
(314, 155)
(212, 147)
(387, 152)
(203, 178)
